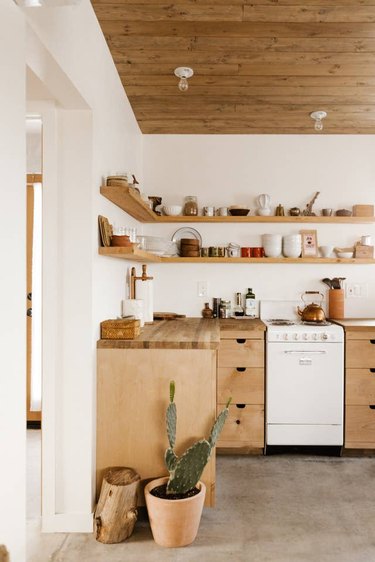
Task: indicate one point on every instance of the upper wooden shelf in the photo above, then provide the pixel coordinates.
(130, 201)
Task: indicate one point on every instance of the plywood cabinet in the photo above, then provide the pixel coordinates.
(360, 389)
(240, 375)
(132, 397)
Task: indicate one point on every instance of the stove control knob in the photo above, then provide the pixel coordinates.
(305, 336)
(286, 336)
(315, 337)
(295, 336)
(324, 336)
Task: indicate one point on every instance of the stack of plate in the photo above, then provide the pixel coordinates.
(292, 245)
(190, 248)
(272, 245)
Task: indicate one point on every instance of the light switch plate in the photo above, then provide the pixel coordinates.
(202, 288)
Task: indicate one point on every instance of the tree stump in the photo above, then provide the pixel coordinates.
(116, 512)
(4, 555)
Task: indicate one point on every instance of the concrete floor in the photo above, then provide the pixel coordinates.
(269, 509)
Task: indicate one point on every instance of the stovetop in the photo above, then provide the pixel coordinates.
(290, 322)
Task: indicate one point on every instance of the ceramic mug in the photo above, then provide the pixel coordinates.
(245, 252)
(222, 211)
(208, 211)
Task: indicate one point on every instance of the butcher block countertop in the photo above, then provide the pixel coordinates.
(357, 324)
(188, 333)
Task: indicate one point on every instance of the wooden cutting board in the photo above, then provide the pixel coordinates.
(167, 315)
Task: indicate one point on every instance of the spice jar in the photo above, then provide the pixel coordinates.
(191, 206)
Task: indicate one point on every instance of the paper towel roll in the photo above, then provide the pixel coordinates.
(144, 291)
(133, 307)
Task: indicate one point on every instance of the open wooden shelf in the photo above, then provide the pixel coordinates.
(135, 254)
(130, 201)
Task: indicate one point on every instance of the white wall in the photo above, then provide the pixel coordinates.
(96, 135)
(234, 169)
(12, 281)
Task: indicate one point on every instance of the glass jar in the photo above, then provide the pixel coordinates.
(225, 309)
(191, 206)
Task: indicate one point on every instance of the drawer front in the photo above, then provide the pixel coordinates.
(360, 387)
(241, 353)
(244, 384)
(360, 426)
(244, 426)
(360, 354)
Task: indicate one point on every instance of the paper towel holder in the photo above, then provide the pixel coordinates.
(134, 278)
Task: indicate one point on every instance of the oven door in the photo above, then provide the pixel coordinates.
(305, 383)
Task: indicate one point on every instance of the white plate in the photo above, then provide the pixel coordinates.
(186, 232)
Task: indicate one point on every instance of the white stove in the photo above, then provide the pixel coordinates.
(304, 378)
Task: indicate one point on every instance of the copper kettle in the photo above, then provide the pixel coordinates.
(312, 312)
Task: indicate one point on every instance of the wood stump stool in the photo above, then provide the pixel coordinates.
(116, 512)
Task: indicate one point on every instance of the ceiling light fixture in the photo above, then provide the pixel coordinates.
(183, 73)
(318, 116)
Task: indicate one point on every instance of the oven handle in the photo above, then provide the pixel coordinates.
(306, 352)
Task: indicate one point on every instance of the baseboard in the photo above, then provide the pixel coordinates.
(68, 523)
(34, 424)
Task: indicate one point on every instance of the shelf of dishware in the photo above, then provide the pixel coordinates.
(131, 202)
(132, 253)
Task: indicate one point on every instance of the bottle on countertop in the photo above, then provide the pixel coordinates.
(216, 307)
(250, 303)
(238, 309)
(225, 309)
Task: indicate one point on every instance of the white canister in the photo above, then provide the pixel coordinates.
(365, 240)
(133, 307)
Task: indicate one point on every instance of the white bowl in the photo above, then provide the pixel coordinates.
(345, 254)
(326, 251)
(172, 210)
(296, 238)
(272, 251)
(292, 252)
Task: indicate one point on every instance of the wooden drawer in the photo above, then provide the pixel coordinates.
(360, 354)
(241, 353)
(244, 384)
(360, 427)
(360, 387)
(243, 427)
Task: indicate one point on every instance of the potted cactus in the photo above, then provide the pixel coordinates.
(175, 503)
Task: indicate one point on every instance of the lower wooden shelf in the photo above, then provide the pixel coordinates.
(135, 254)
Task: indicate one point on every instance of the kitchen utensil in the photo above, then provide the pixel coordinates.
(336, 303)
(312, 312)
(335, 283)
(327, 282)
(186, 232)
(341, 280)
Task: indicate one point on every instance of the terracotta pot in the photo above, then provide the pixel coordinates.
(120, 241)
(174, 523)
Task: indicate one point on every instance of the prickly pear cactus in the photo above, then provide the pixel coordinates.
(185, 471)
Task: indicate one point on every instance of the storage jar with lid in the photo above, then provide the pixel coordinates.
(191, 206)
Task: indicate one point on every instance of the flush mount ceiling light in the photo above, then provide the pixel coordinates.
(183, 73)
(318, 116)
(29, 3)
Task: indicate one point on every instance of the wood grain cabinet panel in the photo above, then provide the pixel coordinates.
(360, 354)
(360, 427)
(243, 384)
(244, 427)
(241, 353)
(360, 387)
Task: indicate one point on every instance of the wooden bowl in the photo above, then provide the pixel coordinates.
(121, 241)
(239, 212)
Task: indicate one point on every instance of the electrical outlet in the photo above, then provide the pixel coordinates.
(356, 290)
(202, 289)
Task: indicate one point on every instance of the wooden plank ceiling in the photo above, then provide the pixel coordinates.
(260, 66)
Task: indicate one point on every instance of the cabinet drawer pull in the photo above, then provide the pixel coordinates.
(243, 406)
(371, 341)
(372, 370)
(242, 369)
(238, 422)
(372, 406)
(240, 340)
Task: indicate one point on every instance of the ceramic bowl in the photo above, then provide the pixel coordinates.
(239, 212)
(326, 251)
(172, 210)
(264, 212)
(345, 254)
